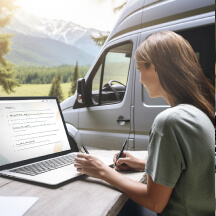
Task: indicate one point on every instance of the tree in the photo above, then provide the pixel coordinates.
(100, 40)
(116, 8)
(74, 80)
(56, 88)
(7, 9)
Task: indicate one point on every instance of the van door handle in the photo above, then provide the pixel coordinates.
(123, 120)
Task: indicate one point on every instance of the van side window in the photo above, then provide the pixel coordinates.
(110, 81)
(202, 41)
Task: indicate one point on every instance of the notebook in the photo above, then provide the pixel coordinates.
(34, 143)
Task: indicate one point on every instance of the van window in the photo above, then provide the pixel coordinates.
(202, 41)
(110, 81)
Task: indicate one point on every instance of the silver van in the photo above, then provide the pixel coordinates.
(110, 105)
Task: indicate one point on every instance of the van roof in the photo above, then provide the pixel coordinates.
(138, 14)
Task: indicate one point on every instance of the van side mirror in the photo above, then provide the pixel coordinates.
(81, 91)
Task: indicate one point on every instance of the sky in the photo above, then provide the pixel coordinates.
(87, 13)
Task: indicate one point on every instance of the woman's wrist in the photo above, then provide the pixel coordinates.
(141, 164)
(105, 172)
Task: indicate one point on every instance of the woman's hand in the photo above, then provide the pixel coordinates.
(90, 165)
(128, 162)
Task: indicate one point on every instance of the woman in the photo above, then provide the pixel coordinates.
(180, 165)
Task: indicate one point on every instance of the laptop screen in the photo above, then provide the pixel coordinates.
(29, 129)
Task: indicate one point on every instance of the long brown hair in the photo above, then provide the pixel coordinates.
(178, 69)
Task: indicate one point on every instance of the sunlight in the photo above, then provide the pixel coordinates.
(41, 8)
(86, 13)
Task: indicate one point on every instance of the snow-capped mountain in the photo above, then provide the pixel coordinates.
(62, 31)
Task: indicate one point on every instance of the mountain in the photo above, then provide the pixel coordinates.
(28, 50)
(30, 31)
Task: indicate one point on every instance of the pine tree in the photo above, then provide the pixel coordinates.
(59, 93)
(100, 40)
(74, 80)
(56, 88)
(53, 87)
(7, 9)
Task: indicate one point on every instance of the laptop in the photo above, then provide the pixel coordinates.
(34, 143)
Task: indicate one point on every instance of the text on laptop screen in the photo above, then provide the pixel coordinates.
(29, 129)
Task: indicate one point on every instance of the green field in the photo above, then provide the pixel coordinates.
(35, 90)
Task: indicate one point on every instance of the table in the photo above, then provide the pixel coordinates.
(82, 196)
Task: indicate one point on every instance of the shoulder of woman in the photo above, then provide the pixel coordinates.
(182, 114)
(166, 115)
(170, 117)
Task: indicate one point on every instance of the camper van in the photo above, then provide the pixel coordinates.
(110, 105)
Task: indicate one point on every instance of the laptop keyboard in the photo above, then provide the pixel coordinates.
(45, 166)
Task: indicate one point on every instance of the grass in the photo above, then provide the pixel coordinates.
(35, 90)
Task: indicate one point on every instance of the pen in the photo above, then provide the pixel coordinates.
(85, 149)
(122, 149)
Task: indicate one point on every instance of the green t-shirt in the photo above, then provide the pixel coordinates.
(181, 156)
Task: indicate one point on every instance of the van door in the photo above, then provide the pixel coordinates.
(107, 121)
(199, 31)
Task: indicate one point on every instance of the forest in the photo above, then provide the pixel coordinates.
(45, 75)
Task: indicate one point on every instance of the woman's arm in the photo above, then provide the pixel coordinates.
(153, 196)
